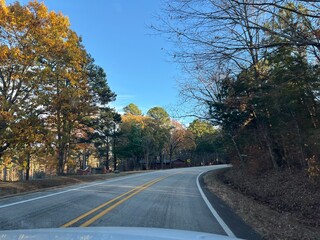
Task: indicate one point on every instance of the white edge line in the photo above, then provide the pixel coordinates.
(69, 190)
(213, 211)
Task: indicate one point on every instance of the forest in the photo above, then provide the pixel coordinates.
(55, 114)
(250, 85)
(253, 70)
(253, 81)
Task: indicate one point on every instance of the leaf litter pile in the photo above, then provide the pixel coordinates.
(278, 205)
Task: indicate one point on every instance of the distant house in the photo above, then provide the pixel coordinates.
(165, 164)
(158, 165)
(178, 163)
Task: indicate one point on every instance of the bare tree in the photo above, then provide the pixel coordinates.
(231, 40)
(235, 32)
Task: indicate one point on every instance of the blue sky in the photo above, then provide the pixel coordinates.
(116, 34)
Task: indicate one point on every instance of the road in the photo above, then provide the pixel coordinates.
(162, 199)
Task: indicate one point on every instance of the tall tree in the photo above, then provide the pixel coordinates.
(160, 125)
(180, 142)
(132, 109)
(102, 123)
(159, 114)
(130, 140)
(19, 65)
(66, 96)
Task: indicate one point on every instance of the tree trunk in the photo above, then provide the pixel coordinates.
(28, 167)
(5, 174)
(269, 147)
(59, 133)
(300, 142)
(61, 154)
(107, 154)
(146, 158)
(115, 161)
(161, 161)
(273, 160)
(114, 154)
(237, 149)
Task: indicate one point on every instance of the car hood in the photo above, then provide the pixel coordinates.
(107, 233)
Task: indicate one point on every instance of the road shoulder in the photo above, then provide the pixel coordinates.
(269, 223)
(232, 220)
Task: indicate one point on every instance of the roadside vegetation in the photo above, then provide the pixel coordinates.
(155, 141)
(254, 74)
(253, 71)
(8, 189)
(52, 94)
(252, 86)
(55, 114)
(254, 68)
(278, 206)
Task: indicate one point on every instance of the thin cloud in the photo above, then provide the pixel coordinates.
(122, 100)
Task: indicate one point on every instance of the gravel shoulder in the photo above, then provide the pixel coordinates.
(269, 222)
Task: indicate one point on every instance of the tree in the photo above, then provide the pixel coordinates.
(200, 128)
(19, 65)
(140, 138)
(105, 117)
(103, 134)
(132, 109)
(100, 91)
(143, 138)
(160, 124)
(47, 79)
(130, 140)
(207, 141)
(154, 136)
(41, 65)
(159, 114)
(202, 30)
(180, 142)
(262, 87)
(31, 139)
(65, 95)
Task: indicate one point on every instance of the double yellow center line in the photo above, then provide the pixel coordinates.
(113, 204)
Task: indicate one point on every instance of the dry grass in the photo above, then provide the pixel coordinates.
(11, 188)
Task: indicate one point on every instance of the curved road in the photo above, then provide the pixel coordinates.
(161, 199)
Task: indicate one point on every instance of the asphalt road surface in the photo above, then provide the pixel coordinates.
(162, 199)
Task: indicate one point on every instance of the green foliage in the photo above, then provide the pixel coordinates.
(159, 114)
(97, 78)
(201, 128)
(132, 109)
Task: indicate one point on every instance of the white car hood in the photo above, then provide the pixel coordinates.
(107, 233)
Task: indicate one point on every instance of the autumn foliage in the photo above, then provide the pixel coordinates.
(48, 86)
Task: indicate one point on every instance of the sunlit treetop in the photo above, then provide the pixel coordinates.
(131, 119)
(132, 109)
(200, 128)
(159, 114)
(3, 5)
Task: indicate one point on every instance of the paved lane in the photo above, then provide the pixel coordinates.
(164, 199)
(174, 202)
